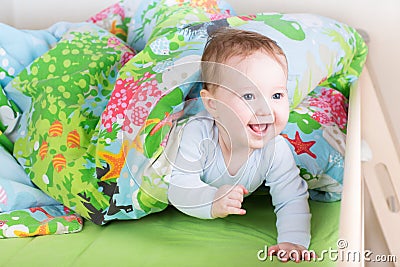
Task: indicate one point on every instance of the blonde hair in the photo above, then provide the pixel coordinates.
(225, 43)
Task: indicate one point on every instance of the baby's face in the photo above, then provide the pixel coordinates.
(252, 104)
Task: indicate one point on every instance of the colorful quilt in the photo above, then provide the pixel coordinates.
(93, 114)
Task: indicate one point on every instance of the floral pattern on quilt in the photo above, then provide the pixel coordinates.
(94, 132)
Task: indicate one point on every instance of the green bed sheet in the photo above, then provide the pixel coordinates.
(171, 238)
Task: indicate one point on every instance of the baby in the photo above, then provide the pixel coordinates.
(227, 151)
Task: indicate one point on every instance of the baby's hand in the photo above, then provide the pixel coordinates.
(288, 251)
(228, 200)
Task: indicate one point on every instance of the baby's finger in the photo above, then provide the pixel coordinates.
(309, 255)
(234, 195)
(234, 203)
(238, 211)
(295, 255)
(282, 255)
(272, 250)
(242, 189)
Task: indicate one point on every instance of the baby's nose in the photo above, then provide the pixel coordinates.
(270, 118)
(265, 114)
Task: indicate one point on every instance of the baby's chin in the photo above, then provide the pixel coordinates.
(259, 144)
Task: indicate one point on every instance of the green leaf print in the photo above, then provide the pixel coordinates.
(306, 175)
(304, 121)
(351, 63)
(156, 131)
(291, 29)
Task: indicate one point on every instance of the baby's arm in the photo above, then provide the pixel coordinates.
(190, 195)
(195, 198)
(186, 191)
(290, 198)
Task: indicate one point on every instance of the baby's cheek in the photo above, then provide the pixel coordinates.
(281, 109)
(286, 117)
(281, 120)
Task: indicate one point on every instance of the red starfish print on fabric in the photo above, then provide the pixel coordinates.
(301, 147)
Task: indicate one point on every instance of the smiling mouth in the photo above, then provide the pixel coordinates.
(259, 129)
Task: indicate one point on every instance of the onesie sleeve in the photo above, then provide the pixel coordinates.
(289, 197)
(186, 191)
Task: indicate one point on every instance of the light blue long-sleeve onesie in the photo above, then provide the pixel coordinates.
(199, 171)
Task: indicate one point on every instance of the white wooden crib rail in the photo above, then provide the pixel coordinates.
(381, 166)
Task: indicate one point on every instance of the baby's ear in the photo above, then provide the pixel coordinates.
(208, 101)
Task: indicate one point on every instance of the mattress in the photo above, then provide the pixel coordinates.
(171, 238)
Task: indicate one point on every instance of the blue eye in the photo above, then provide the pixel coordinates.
(277, 96)
(248, 97)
